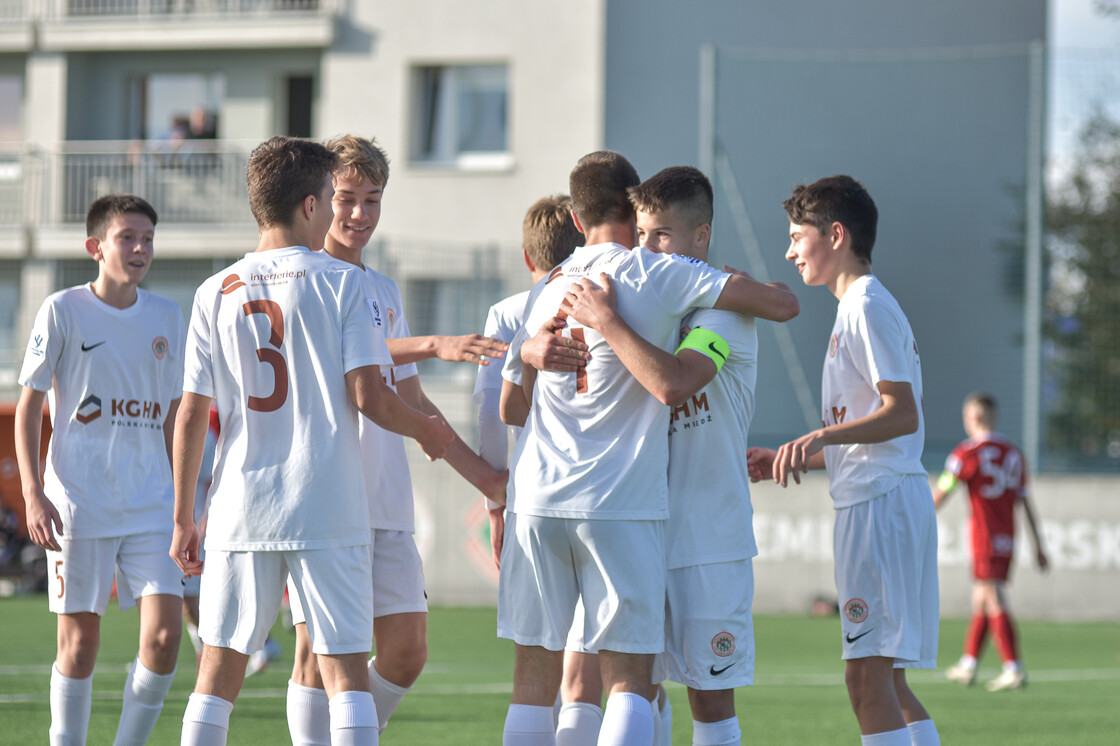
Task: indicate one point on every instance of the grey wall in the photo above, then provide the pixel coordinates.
(941, 146)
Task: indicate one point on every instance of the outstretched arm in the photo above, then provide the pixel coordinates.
(467, 348)
(773, 301)
(487, 480)
(670, 378)
(380, 404)
(945, 484)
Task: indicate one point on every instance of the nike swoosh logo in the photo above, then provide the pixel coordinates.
(87, 349)
(851, 639)
(713, 671)
(712, 347)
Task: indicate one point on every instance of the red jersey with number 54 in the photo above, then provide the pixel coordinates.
(996, 475)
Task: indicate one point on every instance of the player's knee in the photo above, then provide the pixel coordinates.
(403, 664)
(77, 653)
(162, 646)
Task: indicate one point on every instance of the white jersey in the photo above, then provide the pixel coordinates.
(384, 461)
(111, 374)
(595, 444)
(871, 342)
(503, 320)
(710, 513)
(271, 340)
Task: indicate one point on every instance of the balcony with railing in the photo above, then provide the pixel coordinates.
(197, 187)
(87, 25)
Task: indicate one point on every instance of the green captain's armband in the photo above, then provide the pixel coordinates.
(707, 342)
(946, 482)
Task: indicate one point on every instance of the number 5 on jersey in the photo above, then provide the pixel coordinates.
(269, 356)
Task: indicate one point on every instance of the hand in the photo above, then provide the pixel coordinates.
(497, 533)
(549, 350)
(438, 439)
(1043, 561)
(184, 549)
(43, 520)
(793, 457)
(732, 271)
(470, 348)
(591, 305)
(760, 463)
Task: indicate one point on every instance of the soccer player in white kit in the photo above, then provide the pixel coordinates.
(589, 472)
(400, 609)
(885, 539)
(709, 538)
(289, 347)
(110, 356)
(548, 237)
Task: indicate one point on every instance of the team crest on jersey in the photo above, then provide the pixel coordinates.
(391, 315)
(723, 644)
(856, 610)
(231, 283)
(89, 410)
(833, 345)
(159, 347)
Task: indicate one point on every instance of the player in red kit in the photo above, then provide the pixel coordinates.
(996, 474)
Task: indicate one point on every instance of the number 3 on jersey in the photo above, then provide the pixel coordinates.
(577, 335)
(269, 356)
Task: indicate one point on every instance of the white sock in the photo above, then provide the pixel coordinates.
(528, 725)
(206, 721)
(655, 711)
(309, 716)
(578, 724)
(1011, 665)
(722, 733)
(667, 724)
(196, 641)
(556, 710)
(144, 692)
(627, 721)
(386, 695)
(967, 661)
(353, 719)
(900, 737)
(923, 733)
(71, 700)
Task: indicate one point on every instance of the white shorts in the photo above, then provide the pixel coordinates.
(398, 577)
(80, 577)
(616, 567)
(242, 591)
(886, 576)
(709, 632)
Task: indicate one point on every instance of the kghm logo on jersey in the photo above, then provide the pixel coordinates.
(159, 347)
(833, 345)
(89, 410)
(856, 610)
(231, 283)
(723, 644)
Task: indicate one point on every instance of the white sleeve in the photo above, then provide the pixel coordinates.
(43, 349)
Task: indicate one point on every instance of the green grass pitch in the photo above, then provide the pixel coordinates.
(798, 697)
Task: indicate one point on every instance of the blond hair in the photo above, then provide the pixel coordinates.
(548, 233)
(359, 157)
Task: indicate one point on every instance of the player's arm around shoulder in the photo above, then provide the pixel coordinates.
(773, 301)
(43, 519)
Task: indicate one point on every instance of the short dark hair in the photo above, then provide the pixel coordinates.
(598, 185)
(684, 188)
(103, 209)
(281, 173)
(987, 405)
(837, 199)
(548, 233)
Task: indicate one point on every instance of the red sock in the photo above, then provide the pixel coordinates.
(977, 633)
(1004, 633)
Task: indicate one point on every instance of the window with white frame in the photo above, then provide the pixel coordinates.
(461, 116)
